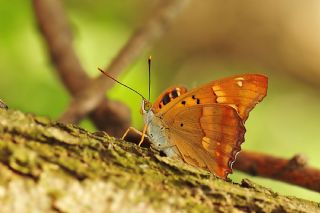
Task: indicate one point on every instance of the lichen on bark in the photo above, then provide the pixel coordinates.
(52, 167)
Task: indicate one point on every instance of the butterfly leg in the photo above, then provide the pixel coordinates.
(128, 130)
(143, 134)
(136, 136)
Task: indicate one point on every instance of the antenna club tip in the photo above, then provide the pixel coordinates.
(149, 58)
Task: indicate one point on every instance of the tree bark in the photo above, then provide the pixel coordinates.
(51, 167)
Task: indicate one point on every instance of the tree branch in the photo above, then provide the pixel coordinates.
(292, 171)
(110, 116)
(52, 167)
(154, 27)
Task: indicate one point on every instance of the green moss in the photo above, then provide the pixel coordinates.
(64, 162)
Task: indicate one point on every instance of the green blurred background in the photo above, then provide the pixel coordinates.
(209, 40)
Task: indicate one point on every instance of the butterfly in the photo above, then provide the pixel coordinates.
(204, 126)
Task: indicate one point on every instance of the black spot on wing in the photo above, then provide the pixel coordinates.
(174, 93)
(169, 96)
(166, 99)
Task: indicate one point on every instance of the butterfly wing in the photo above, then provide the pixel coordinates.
(242, 92)
(207, 136)
(206, 123)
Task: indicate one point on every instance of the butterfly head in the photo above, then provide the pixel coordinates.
(146, 106)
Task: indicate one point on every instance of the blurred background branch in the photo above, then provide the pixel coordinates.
(294, 171)
(144, 37)
(111, 116)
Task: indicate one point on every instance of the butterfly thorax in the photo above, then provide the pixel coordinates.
(158, 135)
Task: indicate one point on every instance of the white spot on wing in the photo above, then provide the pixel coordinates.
(239, 83)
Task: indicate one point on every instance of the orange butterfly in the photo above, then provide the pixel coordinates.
(205, 126)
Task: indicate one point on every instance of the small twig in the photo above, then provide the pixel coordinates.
(3, 105)
(154, 27)
(111, 116)
(292, 171)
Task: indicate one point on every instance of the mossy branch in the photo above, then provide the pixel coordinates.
(52, 167)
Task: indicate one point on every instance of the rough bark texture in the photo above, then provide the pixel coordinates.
(52, 167)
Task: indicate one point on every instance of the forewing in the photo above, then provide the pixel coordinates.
(242, 92)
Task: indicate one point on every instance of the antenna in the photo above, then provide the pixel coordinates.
(149, 65)
(106, 74)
